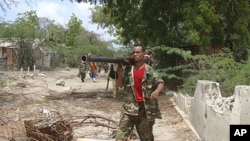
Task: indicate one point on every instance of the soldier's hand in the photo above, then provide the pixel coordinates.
(153, 95)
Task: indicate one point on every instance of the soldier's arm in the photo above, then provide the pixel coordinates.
(154, 95)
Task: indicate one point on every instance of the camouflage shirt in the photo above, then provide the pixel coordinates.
(82, 67)
(149, 83)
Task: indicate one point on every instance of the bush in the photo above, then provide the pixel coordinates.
(221, 68)
(2, 83)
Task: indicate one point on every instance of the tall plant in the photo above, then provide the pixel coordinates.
(221, 68)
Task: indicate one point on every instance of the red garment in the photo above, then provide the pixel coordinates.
(138, 75)
(93, 67)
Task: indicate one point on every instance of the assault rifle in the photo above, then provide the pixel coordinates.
(106, 59)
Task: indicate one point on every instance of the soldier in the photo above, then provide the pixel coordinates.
(148, 58)
(82, 70)
(141, 106)
(106, 67)
(113, 75)
(120, 76)
(100, 66)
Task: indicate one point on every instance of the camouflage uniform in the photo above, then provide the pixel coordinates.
(141, 115)
(82, 70)
(106, 67)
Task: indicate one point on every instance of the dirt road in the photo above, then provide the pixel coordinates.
(26, 95)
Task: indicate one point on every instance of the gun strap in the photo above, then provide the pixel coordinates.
(132, 87)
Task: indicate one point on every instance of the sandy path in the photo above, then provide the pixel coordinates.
(78, 98)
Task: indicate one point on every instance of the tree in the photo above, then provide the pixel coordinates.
(71, 41)
(206, 24)
(74, 29)
(6, 29)
(26, 25)
(6, 4)
(203, 25)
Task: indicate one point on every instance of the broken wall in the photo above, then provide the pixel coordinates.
(211, 114)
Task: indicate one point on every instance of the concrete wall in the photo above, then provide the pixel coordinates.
(211, 114)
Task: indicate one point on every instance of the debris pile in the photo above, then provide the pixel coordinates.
(58, 131)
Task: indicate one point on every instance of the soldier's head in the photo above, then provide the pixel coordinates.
(138, 53)
(150, 53)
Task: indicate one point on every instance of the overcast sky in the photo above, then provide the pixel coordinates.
(57, 10)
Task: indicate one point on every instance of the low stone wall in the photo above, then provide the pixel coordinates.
(211, 114)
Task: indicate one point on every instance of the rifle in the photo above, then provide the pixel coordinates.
(106, 59)
(107, 86)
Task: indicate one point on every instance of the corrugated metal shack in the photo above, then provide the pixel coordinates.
(43, 54)
(8, 55)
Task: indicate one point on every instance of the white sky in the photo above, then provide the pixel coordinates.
(58, 10)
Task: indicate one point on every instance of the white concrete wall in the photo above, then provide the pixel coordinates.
(183, 102)
(211, 114)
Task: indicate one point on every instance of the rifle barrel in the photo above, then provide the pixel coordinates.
(104, 59)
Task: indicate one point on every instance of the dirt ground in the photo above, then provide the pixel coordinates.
(92, 111)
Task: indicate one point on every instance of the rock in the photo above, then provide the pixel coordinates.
(67, 69)
(21, 84)
(41, 74)
(60, 82)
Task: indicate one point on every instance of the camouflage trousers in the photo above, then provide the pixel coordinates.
(82, 76)
(143, 126)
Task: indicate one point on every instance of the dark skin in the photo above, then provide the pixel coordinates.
(138, 56)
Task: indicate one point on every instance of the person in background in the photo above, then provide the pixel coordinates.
(93, 71)
(113, 75)
(120, 76)
(82, 70)
(150, 54)
(148, 58)
(100, 67)
(141, 106)
(106, 67)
